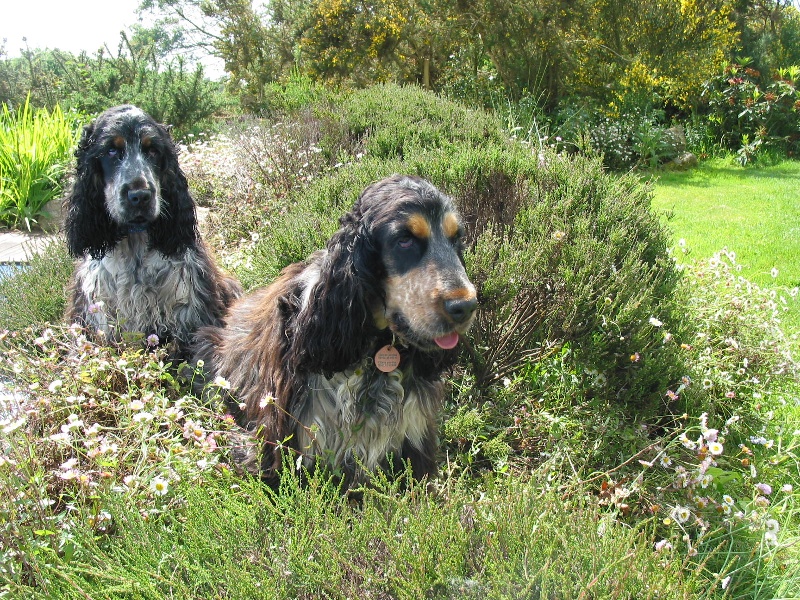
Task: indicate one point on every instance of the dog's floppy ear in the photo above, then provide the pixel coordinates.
(176, 227)
(336, 328)
(88, 226)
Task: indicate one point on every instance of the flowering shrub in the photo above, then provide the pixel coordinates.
(749, 112)
(87, 423)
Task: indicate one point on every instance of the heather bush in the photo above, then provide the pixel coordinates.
(35, 293)
(560, 251)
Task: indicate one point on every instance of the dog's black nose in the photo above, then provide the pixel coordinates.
(460, 310)
(139, 196)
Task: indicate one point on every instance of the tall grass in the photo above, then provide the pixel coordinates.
(34, 153)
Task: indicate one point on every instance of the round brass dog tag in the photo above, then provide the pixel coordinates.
(387, 359)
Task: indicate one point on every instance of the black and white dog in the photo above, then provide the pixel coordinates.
(130, 220)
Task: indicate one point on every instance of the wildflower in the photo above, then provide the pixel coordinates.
(159, 486)
(210, 443)
(665, 461)
(655, 322)
(671, 395)
(706, 480)
(772, 525)
(700, 502)
(771, 538)
(193, 431)
(704, 421)
(774, 273)
(635, 357)
(266, 401)
(710, 435)
(221, 382)
(730, 394)
(787, 488)
(136, 405)
(152, 340)
(725, 582)
(764, 488)
(73, 422)
(69, 464)
(727, 500)
(715, 448)
(681, 514)
(142, 416)
(663, 545)
(60, 438)
(707, 384)
(559, 235)
(9, 425)
(762, 502)
(55, 386)
(686, 442)
(95, 308)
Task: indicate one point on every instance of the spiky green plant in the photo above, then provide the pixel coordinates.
(35, 150)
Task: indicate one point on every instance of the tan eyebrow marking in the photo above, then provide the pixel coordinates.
(450, 224)
(419, 226)
(146, 142)
(119, 142)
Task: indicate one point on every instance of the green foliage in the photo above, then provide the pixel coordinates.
(35, 147)
(560, 251)
(115, 482)
(583, 389)
(169, 90)
(417, 121)
(750, 114)
(35, 294)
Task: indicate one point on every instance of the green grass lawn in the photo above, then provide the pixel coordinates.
(754, 212)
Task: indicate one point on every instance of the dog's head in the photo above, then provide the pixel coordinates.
(426, 300)
(128, 181)
(396, 265)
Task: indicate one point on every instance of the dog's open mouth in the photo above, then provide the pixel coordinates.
(400, 326)
(447, 342)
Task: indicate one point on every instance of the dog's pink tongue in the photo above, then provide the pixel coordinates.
(447, 341)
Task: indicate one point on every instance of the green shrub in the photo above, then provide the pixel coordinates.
(171, 90)
(35, 150)
(396, 121)
(750, 113)
(561, 252)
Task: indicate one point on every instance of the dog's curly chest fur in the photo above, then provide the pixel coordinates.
(143, 291)
(358, 416)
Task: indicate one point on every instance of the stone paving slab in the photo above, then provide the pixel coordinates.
(18, 247)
